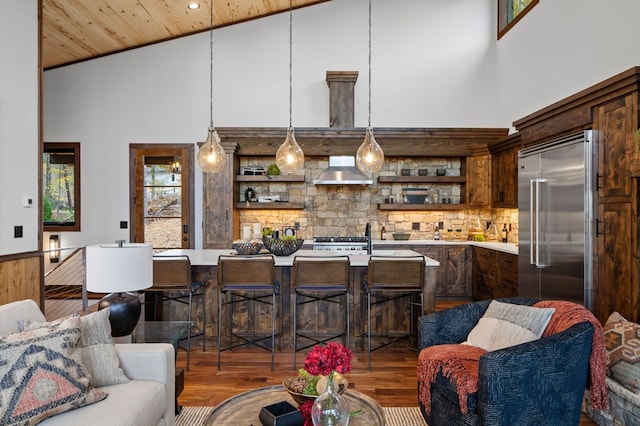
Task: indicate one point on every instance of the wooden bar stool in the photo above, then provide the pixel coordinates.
(172, 279)
(317, 279)
(390, 279)
(247, 279)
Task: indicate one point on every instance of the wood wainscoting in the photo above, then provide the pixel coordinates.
(21, 277)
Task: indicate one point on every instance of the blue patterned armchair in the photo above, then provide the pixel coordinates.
(541, 382)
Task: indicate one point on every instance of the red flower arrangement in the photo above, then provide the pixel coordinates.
(305, 409)
(325, 360)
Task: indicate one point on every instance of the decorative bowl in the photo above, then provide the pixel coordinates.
(282, 247)
(401, 236)
(301, 398)
(248, 247)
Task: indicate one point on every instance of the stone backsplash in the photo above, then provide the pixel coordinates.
(344, 210)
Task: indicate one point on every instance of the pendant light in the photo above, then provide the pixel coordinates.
(369, 157)
(211, 156)
(289, 157)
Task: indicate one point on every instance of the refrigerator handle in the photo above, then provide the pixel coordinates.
(533, 221)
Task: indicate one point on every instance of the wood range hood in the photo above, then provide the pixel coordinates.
(342, 139)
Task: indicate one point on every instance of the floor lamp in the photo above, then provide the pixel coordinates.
(120, 270)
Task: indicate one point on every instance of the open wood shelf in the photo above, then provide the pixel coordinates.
(420, 207)
(276, 205)
(422, 179)
(270, 178)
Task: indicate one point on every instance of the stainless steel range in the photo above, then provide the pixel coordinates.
(358, 244)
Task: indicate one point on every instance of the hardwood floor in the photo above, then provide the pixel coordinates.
(392, 381)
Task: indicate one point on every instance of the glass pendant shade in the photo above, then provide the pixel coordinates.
(370, 156)
(211, 156)
(289, 157)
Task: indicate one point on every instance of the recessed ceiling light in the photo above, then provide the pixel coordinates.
(193, 5)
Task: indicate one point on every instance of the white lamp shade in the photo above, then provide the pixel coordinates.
(112, 269)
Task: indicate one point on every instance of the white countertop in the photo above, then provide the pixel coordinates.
(503, 247)
(209, 257)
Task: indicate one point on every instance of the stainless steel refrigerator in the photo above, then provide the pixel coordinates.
(555, 203)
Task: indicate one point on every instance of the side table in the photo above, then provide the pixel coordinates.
(245, 407)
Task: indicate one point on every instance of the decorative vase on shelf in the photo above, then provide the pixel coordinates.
(330, 408)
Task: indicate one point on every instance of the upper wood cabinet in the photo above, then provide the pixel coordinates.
(504, 172)
(612, 123)
(479, 180)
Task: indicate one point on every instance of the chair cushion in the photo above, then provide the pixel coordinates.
(99, 355)
(507, 324)
(623, 354)
(41, 374)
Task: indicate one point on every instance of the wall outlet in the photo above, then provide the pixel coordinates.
(415, 226)
(124, 224)
(17, 231)
(296, 226)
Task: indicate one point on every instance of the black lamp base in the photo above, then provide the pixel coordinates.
(124, 314)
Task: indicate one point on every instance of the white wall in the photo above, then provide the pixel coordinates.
(435, 64)
(18, 124)
(562, 47)
(160, 93)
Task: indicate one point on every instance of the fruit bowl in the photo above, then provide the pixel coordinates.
(283, 247)
(248, 247)
(301, 398)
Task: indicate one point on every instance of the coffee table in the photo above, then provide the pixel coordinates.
(244, 409)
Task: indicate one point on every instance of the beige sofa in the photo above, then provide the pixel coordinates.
(147, 399)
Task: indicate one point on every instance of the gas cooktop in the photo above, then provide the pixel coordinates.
(340, 239)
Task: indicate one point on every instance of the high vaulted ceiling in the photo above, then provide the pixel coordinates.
(78, 30)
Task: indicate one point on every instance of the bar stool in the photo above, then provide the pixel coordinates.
(390, 279)
(172, 274)
(317, 279)
(247, 279)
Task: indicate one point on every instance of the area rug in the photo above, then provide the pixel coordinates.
(395, 416)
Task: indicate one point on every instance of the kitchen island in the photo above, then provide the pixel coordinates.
(204, 268)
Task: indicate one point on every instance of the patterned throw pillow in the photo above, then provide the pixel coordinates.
(508, 324)
(41, 374)
(99, 356)
(622, 339)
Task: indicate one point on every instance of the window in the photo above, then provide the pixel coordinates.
(61, 186)
(510, 12)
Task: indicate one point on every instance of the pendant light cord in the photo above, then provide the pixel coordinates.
(211, 65)
(290, 62)
(369, 63)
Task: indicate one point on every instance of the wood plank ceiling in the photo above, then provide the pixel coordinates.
(79, 30)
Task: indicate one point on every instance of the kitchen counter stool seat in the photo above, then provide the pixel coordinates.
(315, 280)
(390, 279)
(244, 279)
(172, 279)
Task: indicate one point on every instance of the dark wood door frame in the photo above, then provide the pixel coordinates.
(186, 152)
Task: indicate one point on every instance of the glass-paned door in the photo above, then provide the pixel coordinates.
(162, 195)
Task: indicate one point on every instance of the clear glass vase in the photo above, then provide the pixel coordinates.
(330, 408)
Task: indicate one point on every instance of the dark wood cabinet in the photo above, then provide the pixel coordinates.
(612, 123)
(483, 273)
(456, 275)
(507, 273)
(495, 274)
(504, 178)
(615, 280)
(479, 180)
(614, 288)
(453, 276)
